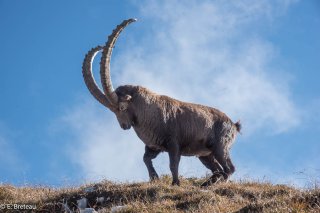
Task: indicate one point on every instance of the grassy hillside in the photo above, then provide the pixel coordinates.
(160, 196)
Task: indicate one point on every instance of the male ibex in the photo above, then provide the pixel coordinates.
(164, 123)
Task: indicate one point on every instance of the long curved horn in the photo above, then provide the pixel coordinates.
(89, 79)
(105, 62)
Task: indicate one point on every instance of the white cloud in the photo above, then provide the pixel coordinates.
(99, 146)
(201, 51)
(209, 52)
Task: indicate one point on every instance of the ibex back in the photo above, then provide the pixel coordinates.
(164, 123)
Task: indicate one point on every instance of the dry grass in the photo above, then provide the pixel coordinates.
(160, 196)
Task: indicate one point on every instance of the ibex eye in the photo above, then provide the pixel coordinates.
(122, 108)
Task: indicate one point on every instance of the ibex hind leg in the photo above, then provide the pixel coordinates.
(225, 136)
(147, 158)
(211, 163)
(226, 163)
(221, 154)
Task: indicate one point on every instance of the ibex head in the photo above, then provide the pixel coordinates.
(116, 100)
(125, 112)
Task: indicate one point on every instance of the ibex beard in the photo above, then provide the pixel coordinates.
(165, 124)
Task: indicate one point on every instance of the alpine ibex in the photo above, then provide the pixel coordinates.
(164, 123)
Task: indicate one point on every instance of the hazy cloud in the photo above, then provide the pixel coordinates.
(210, 53)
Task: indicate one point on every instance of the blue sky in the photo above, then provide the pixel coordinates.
(258, 61)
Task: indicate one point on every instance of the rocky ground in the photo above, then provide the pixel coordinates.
(160, 196)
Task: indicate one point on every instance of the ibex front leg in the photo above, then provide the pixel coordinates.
(147, 158)
(174, 157)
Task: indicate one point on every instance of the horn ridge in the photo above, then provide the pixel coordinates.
(89, 79)
(105, 62)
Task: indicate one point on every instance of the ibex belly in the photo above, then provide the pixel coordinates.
(197, 149)
(150, 139)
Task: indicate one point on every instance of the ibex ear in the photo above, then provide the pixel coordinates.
(127, 97)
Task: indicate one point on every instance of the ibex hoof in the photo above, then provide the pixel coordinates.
(154, 177)
(216, 178)
(175, 183)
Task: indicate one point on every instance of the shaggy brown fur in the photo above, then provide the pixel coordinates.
(164, 123)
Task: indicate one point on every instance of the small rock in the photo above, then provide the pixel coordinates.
(100, 200)
(82, 203)
(117, 208)
(88, 210)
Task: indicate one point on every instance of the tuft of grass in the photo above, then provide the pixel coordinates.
(160, 196)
